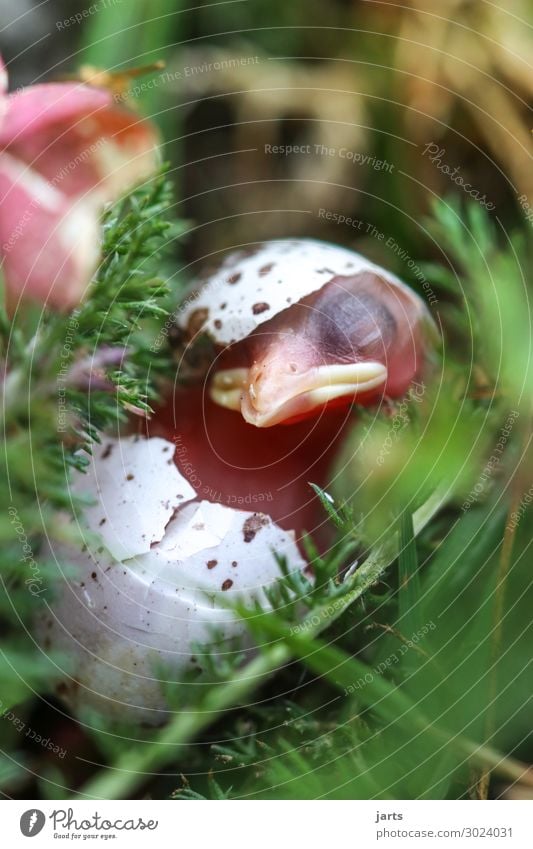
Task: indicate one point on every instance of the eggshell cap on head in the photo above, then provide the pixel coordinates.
(252, 286)
(122, 620)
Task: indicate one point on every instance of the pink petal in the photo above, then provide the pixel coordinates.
(65, 150)
(79, 139)
(50, 246)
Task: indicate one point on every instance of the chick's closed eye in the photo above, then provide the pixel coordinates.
(347, 322)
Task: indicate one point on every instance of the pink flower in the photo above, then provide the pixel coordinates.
(66, 149)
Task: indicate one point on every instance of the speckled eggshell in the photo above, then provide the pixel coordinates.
(252, 286)
(137, 487)
(123, 624)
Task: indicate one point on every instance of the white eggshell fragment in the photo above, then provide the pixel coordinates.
(210, 549)
(129, 626)
(252, 286)
(137, 488)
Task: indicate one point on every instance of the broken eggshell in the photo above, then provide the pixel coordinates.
(255, 284)
(158, 585)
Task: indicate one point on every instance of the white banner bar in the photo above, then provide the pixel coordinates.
(269, 825)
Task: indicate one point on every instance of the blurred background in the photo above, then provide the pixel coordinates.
(343, 121)
(274, 114)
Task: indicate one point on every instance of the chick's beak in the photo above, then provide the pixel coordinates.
(271, 393)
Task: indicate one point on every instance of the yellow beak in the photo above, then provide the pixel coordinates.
(265, 401)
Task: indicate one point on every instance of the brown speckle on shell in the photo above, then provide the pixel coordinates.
(253, 524)
(197, 320)
(211, 564)
(266, 268)
(234, 278)
(227, 585)
(260, 307)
